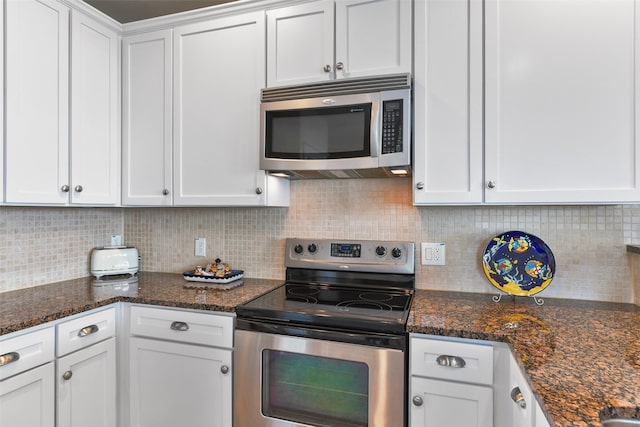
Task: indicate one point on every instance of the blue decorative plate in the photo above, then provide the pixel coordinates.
(518, 263)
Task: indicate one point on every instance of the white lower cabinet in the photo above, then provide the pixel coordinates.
(173, 384)
(27, 391)
(180, 368)
(449, 404)
(86, 370)
(451, 383)
(86, 385)
(27, 400)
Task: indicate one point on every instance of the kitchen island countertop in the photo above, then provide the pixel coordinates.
(582, 357)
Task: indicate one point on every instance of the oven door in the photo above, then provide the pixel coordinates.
(282, 380)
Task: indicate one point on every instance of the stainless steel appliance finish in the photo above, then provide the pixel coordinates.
(386, 387)
(328, 347)
(344, 129)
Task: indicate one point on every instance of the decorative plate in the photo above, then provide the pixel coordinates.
(231, 276)
(518, 263)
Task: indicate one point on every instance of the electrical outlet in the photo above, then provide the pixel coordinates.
(433, 253)
(116, 240)
(201, 246)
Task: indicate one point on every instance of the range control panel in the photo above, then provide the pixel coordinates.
(351, 255)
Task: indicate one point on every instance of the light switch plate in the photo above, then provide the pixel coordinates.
(433, 253)
(201, 246)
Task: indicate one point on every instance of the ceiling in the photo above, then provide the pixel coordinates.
(125, 11)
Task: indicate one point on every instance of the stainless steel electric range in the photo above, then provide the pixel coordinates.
(328, 347)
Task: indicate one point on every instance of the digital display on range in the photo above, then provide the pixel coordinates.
(348, 250)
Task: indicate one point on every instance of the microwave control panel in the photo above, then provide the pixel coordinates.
(392, 116)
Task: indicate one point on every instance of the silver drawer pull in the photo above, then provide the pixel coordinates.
(5, 359)
(451, 361)
(518, 398)
(180, 326)
(87, 330)
(67, 375)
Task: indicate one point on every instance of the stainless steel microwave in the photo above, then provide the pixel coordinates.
(356, 128)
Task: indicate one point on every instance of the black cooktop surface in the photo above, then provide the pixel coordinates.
(341, 307)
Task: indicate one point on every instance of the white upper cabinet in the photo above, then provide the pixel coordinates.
(218, 73)
(559, 102)
(323, 40)
(448, 102)
(146, 119)
(95, 139)
(48, 161)
(37, 102)
(300, 43)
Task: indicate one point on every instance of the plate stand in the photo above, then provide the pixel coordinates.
(497, 298)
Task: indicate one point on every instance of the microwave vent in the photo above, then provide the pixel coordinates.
(337, 87)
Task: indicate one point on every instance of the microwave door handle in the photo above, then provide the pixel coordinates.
(376, 124)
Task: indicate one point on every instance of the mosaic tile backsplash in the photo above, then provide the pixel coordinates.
(42, 245)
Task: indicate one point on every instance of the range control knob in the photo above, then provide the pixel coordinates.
(312, 248)
(298, 249)
(381, 250)
(396, 252)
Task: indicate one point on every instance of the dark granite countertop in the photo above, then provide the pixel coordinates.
(32, 306)
(582, 357)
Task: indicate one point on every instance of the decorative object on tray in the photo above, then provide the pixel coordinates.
(518, 264)
(217, 275)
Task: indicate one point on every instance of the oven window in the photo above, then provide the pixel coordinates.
(314, 390)
(319, 133)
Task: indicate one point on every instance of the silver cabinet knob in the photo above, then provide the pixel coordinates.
(165, 192)
(420, 185)
(179, 326)
(7, 358)
(67, 375)
(451, 361)
(224, 369)
(259, 190)
(78, 188)
(518, 398)
(339, 65)
(327, 68)
(491, 184)
(417, 400)
(87, 330)
(64, 188)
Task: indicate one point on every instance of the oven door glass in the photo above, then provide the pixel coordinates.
(319, 133)
(315, 390)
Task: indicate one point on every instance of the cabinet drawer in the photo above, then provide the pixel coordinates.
(86, 330)
(182, 326)
(451, 360)
(26, 351)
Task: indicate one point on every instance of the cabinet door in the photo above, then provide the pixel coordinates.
(520, 397)
(146, 119)
(95, 140)
(218, 73)
(448, 102)
(174, 384)
(561, 100)
(437, 403)
(88, 396)
(373, 37)
(37, 102)
(300, 43)
(27, 399)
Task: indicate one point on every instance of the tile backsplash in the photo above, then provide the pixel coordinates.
(41, 245)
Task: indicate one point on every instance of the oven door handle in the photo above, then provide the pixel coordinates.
(391, 341)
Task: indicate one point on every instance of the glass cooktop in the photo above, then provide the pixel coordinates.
(342, 307)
